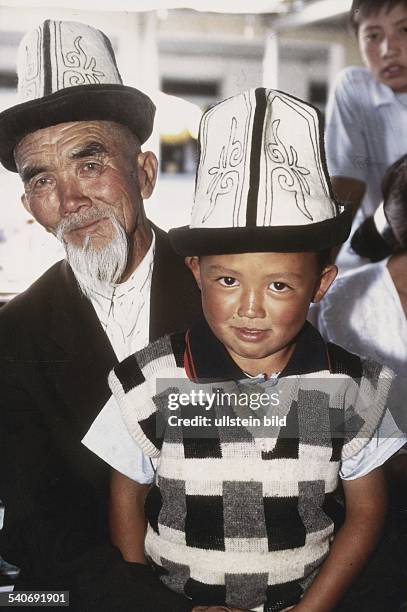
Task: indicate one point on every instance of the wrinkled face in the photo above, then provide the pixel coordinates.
(256, 303)
(79, 175)
(383, 45)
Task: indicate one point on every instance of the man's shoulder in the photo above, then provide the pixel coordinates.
(25, 314)
(175, 298)
(355, 86)
(164, 253)
(37, 293)
(353, 76)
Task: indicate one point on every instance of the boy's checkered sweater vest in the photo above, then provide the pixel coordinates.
(229, 522)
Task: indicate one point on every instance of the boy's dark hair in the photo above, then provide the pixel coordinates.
(361, 9)
(367, 241)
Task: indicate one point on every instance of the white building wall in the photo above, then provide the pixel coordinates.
(232, 75)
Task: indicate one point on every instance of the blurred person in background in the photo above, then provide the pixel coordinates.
(365, 312)
(75, 140)
(366, 129)
(366, 308)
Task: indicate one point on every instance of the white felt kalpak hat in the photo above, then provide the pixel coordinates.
(67, 72)
(262, 183)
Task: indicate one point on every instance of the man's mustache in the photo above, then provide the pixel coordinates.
(80, 219)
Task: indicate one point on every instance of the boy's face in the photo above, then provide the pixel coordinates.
(256, 303)
(383, 46)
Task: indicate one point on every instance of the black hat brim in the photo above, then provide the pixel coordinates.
(318, 236)
(107, 102)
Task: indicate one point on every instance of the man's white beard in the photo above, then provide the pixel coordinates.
(95, 266)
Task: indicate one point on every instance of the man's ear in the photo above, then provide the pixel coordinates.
(193, 264)
(326, 278)
(26, 204)
(147, 173)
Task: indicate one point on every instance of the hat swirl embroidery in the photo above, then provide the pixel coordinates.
(87, 73)
(29, 84)
(290, 176)
(225, 173)
(67, 71)
(262, 152)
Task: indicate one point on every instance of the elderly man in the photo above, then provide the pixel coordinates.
(75, 141)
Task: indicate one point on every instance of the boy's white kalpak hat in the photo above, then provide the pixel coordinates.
(67, 72)
(262, 183)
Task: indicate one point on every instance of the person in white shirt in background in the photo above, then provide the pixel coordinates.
(366, 310)
(366, 126)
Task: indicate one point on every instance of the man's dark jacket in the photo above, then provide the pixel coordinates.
(54, 362)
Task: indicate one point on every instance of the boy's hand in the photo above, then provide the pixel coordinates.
(365, 499)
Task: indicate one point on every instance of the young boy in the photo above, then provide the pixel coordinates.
(367, 111)
(239, 515)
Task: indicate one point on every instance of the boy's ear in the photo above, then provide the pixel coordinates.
(326, 278)
(193, 265)
(147, 173)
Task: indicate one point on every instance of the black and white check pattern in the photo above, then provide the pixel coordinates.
(228, 521)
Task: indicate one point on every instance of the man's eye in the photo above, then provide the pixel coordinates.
(372, 37)
(43, 182)
(91, 168)
(228, 281)
(279, 287)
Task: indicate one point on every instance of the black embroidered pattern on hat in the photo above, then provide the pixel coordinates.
(67, 72)
(262, 183)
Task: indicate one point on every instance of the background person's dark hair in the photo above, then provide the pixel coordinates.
(361, 9)
(367, 241)
(394, 188)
